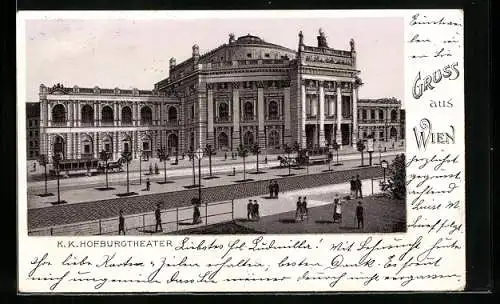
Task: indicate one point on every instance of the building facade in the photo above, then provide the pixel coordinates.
(247, 91)
(32, 130)
(382, 119)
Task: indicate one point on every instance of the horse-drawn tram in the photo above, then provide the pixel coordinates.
(68, 167)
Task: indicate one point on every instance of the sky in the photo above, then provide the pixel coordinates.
(135, 53)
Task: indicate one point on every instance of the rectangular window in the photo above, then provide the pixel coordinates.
(266, 55)
(31, 133)
(249, 55)
(30, 122)
(36, 153)
(86, 149)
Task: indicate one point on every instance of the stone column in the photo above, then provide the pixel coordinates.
(77, 145)
(115, 114)
(49, 114)
(99, 113)
(236, 118)
(354, 115)
(69, 114)
(210, 116)
(303, 137)
(261, 118)
(321, 115)
(286, 114)
(339, 114)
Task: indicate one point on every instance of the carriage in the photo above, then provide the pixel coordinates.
(113, 166)
(68, 167)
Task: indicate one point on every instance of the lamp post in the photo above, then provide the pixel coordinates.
(307, 162)
(199, 156)
(140, 167)
(384, 165)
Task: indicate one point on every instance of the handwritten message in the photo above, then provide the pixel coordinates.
(430, 255)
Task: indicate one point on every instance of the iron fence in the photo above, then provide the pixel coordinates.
(145, 223)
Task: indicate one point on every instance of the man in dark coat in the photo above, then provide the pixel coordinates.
(158, 218)
(121, 223)
(360, 215)
(256, 214)
(359, 187)
(271, 189)
(276, 189)
(249, 210)
(148, 185)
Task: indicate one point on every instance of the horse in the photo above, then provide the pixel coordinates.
(118, 165)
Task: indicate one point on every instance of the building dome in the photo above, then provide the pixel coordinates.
(249, 39)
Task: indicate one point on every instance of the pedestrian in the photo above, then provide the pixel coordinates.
(271, 189)
(336, 201)
(298, 209)
(158, 217)
(34, 166)
(256, 215)
(225, 155)
(121, 223)
(338, 211)
(353, 188)
(157, 170)
(360, 214)
(148, 184)
(196, 214)
(305, 211)
(276, 189)
(150, 169)
(359, 187)
(250, 210)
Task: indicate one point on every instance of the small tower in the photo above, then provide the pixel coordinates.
(196, 53)
(231, 38)
(301, 41)
(353, 52)
(172, 63)
(322, 39)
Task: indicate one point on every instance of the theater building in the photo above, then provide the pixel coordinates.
(246, 91)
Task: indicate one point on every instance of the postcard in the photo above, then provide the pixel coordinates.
(240, 151)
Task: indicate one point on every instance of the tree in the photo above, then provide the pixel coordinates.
(162, 155)
(190, 154)
(361, 147)
(336, 147)
(243, 153)
(105, 156)
(256, 151)
(42, 159)
(330, 157)
(209, 151)
(288, 150)
(127, 157)
(396, 183)
(56, 158)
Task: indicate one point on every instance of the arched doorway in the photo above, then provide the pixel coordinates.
(107, 116)
(394, 133)
(146, 116)
(273, 141)
(172, 143)
(248, 139)
(87, 115)
(223, 141)
(126, 116)
(58, 115)
(58, 146)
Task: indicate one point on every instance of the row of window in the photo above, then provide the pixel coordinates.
(107, 114)
(381, 114)
(33, 132)
(33, 122)
(273, 111)
(34, 144)
(33, 154)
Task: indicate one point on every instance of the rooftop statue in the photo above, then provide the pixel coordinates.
(301, 38)
(322, 39)
(352, 45)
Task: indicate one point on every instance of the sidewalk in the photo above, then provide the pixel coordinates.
(175, 173)
(89, 192)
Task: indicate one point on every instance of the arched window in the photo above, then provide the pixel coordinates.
(248, 111)
(172, 114)
(394, 115)
(87, 147)
(273, 110)
(223, 111)
(274, 139)
(87, 114)
(146, 116)
(394, 133)
(58, 114)
(107, 144)
(146, 144)
(248, 139)
(126, 116)
(223, 141)
(107, 115)
(381, 114)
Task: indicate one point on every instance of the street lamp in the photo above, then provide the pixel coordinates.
(384, 165)
(199, 155)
